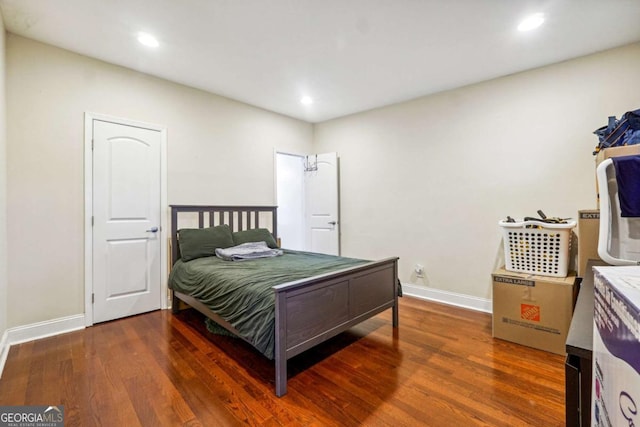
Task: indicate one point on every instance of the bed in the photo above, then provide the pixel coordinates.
(306, 311)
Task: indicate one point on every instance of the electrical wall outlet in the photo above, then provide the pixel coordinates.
(419, 270)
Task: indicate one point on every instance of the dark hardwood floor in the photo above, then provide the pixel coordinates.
(441, 368)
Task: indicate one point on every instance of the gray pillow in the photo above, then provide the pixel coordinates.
(202, 242)
(255, 235)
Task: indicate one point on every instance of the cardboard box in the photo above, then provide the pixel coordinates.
(625, 150)
(588, 230)
(533, 310)
(616, 346)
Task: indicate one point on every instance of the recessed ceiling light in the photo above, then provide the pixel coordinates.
(306, 100)
(531, 22)
(148, 40)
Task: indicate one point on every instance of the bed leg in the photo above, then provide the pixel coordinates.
(397, 291)
(281, 344)
(394, 314)
(175, 303)
(281, 377)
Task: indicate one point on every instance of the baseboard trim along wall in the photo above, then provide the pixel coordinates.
(45, 329)
(36, 331)
(4, 350)
(446, 297)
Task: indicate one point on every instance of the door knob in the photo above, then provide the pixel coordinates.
(152, 230)
(332, 222)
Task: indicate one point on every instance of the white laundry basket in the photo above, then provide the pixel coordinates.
(537, 247)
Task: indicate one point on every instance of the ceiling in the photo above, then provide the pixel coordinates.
(348, 55)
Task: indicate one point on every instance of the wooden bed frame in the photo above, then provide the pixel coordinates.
(308, 311)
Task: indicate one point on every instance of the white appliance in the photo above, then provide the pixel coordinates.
(616, 347)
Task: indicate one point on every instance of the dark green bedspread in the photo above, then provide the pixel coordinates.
(240, 292)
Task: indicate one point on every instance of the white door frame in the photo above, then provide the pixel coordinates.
(88, 207)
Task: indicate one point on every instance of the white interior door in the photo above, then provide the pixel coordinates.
(321, 201)
(126, 218)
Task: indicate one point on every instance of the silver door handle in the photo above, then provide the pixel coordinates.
(332, 223)
(152, 230)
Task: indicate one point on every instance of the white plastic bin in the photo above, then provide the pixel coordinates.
(619, 237)
(537, 247)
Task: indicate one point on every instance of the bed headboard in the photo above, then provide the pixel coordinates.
(237, 217)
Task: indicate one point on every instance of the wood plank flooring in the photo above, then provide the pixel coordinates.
(441, 368)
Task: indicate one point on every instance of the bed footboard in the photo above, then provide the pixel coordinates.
(311, 311)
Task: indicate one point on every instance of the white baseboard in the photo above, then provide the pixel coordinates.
(36, 331)
(446, 297)
(45, 329)
(4, 350)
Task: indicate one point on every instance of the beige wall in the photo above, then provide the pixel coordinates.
(219, 152)
(3, 185)
(428, 179)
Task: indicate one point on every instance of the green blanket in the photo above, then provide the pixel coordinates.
(240, 292)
